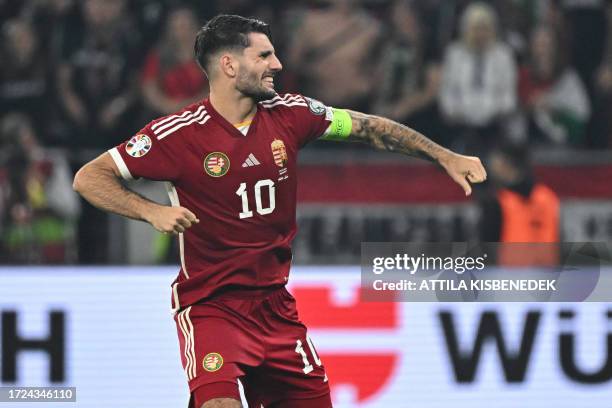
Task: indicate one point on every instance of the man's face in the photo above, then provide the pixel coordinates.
(503, 172)
(258, 66)
(481, 34)
(101, 12)
(542, 51)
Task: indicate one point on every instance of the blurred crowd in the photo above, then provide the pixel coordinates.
(79, 76)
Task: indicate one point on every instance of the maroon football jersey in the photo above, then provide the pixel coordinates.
(241, 187)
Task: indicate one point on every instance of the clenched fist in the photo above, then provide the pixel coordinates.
(464, 170)
(171, 219)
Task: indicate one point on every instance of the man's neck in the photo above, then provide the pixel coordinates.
(233, 106)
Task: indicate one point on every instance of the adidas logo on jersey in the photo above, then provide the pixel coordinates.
(251, 161)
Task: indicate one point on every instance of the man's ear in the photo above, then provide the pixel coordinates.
(229, 65)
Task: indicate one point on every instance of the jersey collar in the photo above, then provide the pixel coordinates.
(216, 116)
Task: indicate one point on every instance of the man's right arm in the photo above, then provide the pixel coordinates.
(99, 183)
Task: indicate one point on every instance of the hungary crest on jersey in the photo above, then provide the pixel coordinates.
(279, 152)
(216, 164)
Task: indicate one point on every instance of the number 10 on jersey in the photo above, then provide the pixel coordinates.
(259, 186)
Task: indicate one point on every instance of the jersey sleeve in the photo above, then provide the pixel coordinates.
(320, 121)
(144, 156)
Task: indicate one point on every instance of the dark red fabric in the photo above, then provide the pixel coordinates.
(321, 402)
(227, 248)
(257, 340)
(208, 392)
(181, 81)
(529, 86)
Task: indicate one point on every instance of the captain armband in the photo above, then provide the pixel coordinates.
(340, 126)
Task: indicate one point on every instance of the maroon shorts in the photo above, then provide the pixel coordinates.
(257, 339)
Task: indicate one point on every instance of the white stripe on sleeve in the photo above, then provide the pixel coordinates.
(123, 169)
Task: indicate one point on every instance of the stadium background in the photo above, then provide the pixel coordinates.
(78, 77)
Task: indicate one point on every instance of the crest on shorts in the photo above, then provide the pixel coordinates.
(212, 362)
(138, 145)
(279, 152)
(216, 164)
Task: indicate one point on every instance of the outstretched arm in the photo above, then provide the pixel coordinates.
(98, 182)
(385, 134)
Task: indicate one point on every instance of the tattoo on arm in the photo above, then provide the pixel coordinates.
(385, 134)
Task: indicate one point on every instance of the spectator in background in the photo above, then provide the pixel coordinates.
(149, 15)
(49, 18)
(171, 78)
(23, 72)
(519, 209)
(602, 129)
(437, 20)
(96, 75)
(600, 134)
(38, 208)
(552, 93)
(331, 54)
(583, 23)
(408, 79)
(478, 81)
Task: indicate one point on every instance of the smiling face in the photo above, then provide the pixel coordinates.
(257, 67)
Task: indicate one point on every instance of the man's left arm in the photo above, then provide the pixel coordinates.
(385, 134)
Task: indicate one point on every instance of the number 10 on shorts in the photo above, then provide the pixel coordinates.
(300, 350)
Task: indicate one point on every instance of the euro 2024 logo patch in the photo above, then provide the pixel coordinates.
(216, 164)
(212, 362)
(138, 145)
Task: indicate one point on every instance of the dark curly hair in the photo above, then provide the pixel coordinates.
(226, 32)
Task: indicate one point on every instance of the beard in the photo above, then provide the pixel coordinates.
(250, 84)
